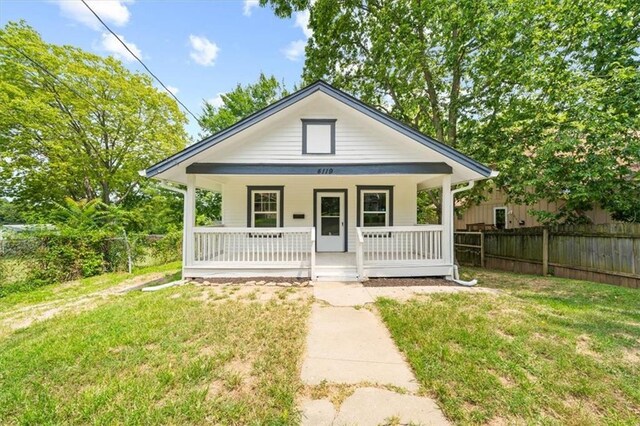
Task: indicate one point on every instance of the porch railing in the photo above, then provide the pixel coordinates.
(398, 245)
(254, 247)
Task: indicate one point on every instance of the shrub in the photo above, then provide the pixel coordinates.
(70, 255)
(168, 248)
(57, 256)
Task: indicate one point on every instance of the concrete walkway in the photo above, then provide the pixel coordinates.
(348, 344)
(345, 345)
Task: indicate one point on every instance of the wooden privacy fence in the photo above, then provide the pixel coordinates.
(608, 253)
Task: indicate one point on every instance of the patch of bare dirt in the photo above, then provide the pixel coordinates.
(530, 377)
(584, 346)
(214, 389)
(505, 381)
(585, 411)
(26, 316)
(504, 335)
(632, 356)
(502, 421)
(249, 293)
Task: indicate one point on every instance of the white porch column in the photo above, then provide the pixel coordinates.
(189, 215)
(447, 220)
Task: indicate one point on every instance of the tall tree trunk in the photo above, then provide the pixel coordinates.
(106, 190)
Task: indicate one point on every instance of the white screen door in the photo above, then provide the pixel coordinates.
(330, 232)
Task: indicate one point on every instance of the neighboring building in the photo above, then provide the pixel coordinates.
(496, 213)
(318, 185)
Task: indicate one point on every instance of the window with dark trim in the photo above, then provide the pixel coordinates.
(318, 136)
(265, 206)
(375, 206)
(500, 217)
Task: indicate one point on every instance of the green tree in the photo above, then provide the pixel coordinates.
(9, 213)
(546, 92)
(236, 105)
(153, 209)
(240, 103)
(80, 215)
(84, 133)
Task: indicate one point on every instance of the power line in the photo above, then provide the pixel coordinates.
(49, 73)
(139, 60)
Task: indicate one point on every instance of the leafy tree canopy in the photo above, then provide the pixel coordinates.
(84, 133)
(236, 105)
(548, 93)
(241, 102)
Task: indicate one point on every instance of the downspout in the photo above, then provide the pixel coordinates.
(456, 275)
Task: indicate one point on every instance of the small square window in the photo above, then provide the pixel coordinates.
(318, 136)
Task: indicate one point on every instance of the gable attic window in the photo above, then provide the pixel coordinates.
(318, 136)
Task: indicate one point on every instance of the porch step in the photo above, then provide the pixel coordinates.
(336, 273)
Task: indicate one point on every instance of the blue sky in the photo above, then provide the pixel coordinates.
(200, 48)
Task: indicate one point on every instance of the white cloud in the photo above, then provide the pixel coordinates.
(216, 101)
(295, 50)
(249, 5)
(111, 11)
(302, 21)
(204, 52)
(173, 89)
(111, 44)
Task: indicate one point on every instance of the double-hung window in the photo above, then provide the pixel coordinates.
(375, 206)
(265, 207)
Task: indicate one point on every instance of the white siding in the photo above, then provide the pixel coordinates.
(298, 198)
(278, 139)
(356, 140)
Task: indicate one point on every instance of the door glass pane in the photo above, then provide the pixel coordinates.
(374, 219)
(375, 202)
(330, 206)
(330, 226)
(266, 220)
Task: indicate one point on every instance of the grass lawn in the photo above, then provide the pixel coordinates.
(184, 355)
(65, 291)
(543, 350)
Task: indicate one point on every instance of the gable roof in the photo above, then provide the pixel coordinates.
(318, 86)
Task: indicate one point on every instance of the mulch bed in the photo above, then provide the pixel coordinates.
(372, 282)
(408, 282)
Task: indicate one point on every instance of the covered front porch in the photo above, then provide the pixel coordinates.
(400, 248)
(393, 251)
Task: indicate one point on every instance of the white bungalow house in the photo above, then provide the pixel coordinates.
(318, 185)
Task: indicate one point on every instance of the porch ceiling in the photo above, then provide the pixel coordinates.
(216, 182)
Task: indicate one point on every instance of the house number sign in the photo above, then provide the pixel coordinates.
(325, 171)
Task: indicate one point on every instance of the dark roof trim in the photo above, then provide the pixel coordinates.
(329, 90)
(319, 169)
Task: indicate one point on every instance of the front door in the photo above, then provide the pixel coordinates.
(330, 218)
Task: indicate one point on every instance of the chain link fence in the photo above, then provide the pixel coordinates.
(29, 260)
